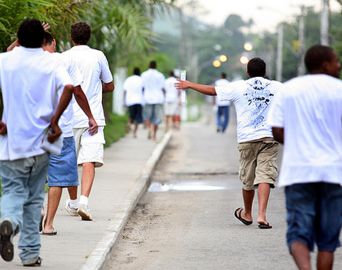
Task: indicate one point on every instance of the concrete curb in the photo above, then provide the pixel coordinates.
(97, 258)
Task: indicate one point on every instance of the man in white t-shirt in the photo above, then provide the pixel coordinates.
(133, 91)
(172, 101)
(153, 82)
(306, 118)
(258, 150)
(222, 115)
(97, 79)
(62, 171)
(30, 80)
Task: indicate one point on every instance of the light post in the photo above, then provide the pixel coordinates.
(325, 23)
(279, 60)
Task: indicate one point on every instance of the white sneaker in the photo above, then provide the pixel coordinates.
(72, 211)
(84, 212)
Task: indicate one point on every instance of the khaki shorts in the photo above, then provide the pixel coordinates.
(258, 163)
(89, 148)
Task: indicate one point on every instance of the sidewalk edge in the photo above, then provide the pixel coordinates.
(96, 260)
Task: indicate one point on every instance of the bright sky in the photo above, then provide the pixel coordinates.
(265, 18)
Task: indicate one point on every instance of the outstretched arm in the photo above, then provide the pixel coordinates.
(204, 89)
(82, 101)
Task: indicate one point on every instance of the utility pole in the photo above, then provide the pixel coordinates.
(301, 38)
(325, 23)
(279, 63)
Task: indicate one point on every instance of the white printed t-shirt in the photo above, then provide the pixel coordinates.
(153, 82)
(252, 99)
(66, 120)
(171, 92)
(133, 86)
(94, 68)
(222, 82)
(310, 111)
(30, 80)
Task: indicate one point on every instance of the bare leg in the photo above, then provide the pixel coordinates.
(263, 195)
(167, 123)
(135, 129)
(88, 175)
(248, 196)
(325, 260)
(154, 132)
(54, 197)
(301, 255)
(72, 192)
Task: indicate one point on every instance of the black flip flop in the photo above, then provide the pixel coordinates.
(237, 214)
(263, 225)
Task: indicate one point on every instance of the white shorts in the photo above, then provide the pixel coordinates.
(89, 148)
(171, 108)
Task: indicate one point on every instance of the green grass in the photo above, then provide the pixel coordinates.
(116, 128)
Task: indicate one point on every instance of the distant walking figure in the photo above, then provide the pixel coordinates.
(222, 115)
(258, 150)
(306, 118)
(153, 82)
(133, 91)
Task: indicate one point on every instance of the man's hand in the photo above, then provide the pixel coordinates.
(54, 132)
(93, 127)
(46, 26)
(3, 128)
(181, 85)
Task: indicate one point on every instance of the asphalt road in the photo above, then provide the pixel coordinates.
(186, 219)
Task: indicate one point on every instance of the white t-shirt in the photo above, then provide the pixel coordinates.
(172, 94)
(310, 111)
(252, 99)
(30, 80)
(221, 82)
(94, 68)
(133, 86)
(153, 82)
(66, 120)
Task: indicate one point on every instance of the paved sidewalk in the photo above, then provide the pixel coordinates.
(117, 188)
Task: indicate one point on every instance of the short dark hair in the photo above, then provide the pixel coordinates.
(48, 38)
(223, 75)
(80, 33)
(153, 64)
(171, 73)
(316, 56)
(136, 71)
(256, 67)
(31, 33)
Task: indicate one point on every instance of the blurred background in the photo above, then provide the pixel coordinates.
(204, 37)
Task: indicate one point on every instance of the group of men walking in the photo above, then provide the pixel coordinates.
(37, 85)
(149, 96)
(304, 114)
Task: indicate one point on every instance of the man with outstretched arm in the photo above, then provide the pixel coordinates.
(258, 150)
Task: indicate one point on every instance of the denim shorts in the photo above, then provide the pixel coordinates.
(62, 171)
(153, 113)
(314, 215)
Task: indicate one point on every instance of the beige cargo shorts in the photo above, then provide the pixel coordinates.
(258, 163)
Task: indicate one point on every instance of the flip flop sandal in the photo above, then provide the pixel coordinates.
(237, 214)
(263, 225)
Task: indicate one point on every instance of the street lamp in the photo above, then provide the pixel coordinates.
(244, 60)
(223, 58)
(248, 46)
(325, 23)
(216, 63)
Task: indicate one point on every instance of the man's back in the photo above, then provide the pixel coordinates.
(94, 68)
(312, 105)
(134, 90)
(171, 92)
(153, 82)
(252, 99)
(29, 79)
